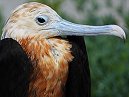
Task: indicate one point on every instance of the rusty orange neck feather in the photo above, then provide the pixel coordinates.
(50, 58)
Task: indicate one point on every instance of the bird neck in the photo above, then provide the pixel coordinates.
(50, 58)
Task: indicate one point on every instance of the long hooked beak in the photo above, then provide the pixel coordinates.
(67, 28)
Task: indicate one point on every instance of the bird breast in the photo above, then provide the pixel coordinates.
(50, 58)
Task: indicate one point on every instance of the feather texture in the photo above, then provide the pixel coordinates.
(50, 58)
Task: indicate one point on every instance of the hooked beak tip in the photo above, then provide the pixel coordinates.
(119, 31)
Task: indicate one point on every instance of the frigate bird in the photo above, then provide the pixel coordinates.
(38, 62)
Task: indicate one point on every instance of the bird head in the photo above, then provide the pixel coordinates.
(34, 18)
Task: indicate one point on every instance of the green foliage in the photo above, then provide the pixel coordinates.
(109, 3)
(109, 63)
(80, 2)
(126, 19)
(1, 23)
(109, 59)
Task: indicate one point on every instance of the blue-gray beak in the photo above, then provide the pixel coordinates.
(67, 28)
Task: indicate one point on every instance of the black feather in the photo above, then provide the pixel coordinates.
(79, 82)
(15, 69)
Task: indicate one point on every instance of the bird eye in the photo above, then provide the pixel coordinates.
(41, 20)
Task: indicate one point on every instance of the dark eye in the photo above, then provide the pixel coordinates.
(41, 20)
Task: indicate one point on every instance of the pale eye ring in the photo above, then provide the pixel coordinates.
(41, 20)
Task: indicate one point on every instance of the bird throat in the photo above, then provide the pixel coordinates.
(50, 58)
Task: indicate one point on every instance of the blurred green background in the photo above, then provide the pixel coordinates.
(108, 56)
